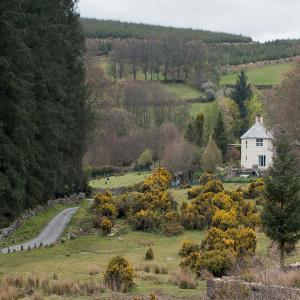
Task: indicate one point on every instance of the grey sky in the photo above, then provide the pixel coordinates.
(261, 19)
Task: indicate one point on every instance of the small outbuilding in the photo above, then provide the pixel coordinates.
(257, 148)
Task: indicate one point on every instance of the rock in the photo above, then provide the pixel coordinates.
(72, 236)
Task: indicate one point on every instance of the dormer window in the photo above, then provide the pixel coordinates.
(259, 142)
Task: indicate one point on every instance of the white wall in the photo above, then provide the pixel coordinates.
(249, 154)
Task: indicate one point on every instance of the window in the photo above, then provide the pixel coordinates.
(259, 142)
(261, 160)
(246, 157)
(246, 144)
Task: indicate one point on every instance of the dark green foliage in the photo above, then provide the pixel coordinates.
(282, 204)
(241, 93)
(43, 108)
(220, 135)
(194, 131)
(149, 254)
(242, 53)
(103, 29)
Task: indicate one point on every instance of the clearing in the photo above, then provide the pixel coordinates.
(269, 75)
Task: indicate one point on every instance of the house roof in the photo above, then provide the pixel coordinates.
(257, 131)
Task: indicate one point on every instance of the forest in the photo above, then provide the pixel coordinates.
(103, 29)
(43, 107)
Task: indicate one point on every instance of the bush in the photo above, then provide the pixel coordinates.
(108, 210)
(149, 254)
(171, 224)
(225, 220)
(206, 177)
(106, 226)
(214, 186)
(145, 220)
(195, 191)
(119, 274)
(184, 278)
(145, 159)
(210, 94)
(255, 189)
(187, 248)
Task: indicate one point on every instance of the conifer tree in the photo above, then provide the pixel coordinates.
(240, 94)
(220, 135)
(211, 157)
(198, 128)
(282, 204)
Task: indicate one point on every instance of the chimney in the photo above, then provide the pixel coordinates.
(259, 119)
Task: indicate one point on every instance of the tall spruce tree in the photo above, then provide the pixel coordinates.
(281, 212)
(241, 93)
(220, 135)
(43, 106)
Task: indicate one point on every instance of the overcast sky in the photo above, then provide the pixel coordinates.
(261, 19)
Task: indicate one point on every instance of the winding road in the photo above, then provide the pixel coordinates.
(50, 234)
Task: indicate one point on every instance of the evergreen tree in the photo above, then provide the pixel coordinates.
(282, 204)
(198, 128)
(211, 157)
(194, 131)
(220, 135)
(240, 94)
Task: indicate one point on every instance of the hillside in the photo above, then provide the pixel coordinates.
(102, 29)
(266, 75)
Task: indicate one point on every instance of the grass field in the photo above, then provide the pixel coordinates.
(272, 74)
(118, 181)
(183, 91)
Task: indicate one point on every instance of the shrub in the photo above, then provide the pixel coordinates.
(225, 220)
(210, 94)
(206, 177)
(108, 210)
(149, 254)
(106, 226)
(188, 247)
(160, 179)
(145, 159)
(195, 191)
(171, 224)
(213, 186)
(255, 189)
(184, 278)
(102, 198)
(145, 220)
(119, 274)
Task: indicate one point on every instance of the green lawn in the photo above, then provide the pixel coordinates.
(119, 181)
(272, 74)
(183, 91)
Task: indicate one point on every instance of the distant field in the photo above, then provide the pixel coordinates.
(118, 181)
(272, 74)
(182, 90)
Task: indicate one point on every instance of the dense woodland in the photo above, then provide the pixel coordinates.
(43, 108)
(104, 29)
(222, 48)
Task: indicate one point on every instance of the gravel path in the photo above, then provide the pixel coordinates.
(50, 234)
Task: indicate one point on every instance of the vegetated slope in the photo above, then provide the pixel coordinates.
(267, 75)
(94, 28)
(237, 54)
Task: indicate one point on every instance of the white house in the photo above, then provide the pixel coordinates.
(257, 149)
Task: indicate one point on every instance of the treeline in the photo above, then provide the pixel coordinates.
(171, 59)
(43, 109)
(103, 29)
(237, 54)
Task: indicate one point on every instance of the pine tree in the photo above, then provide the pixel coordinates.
(241, 93)
(220, 135)
(211, 157)
(198, 128)
(194, 131)
(282, 204)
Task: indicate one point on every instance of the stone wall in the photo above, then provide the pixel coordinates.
(29, 213)
(233, 288)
